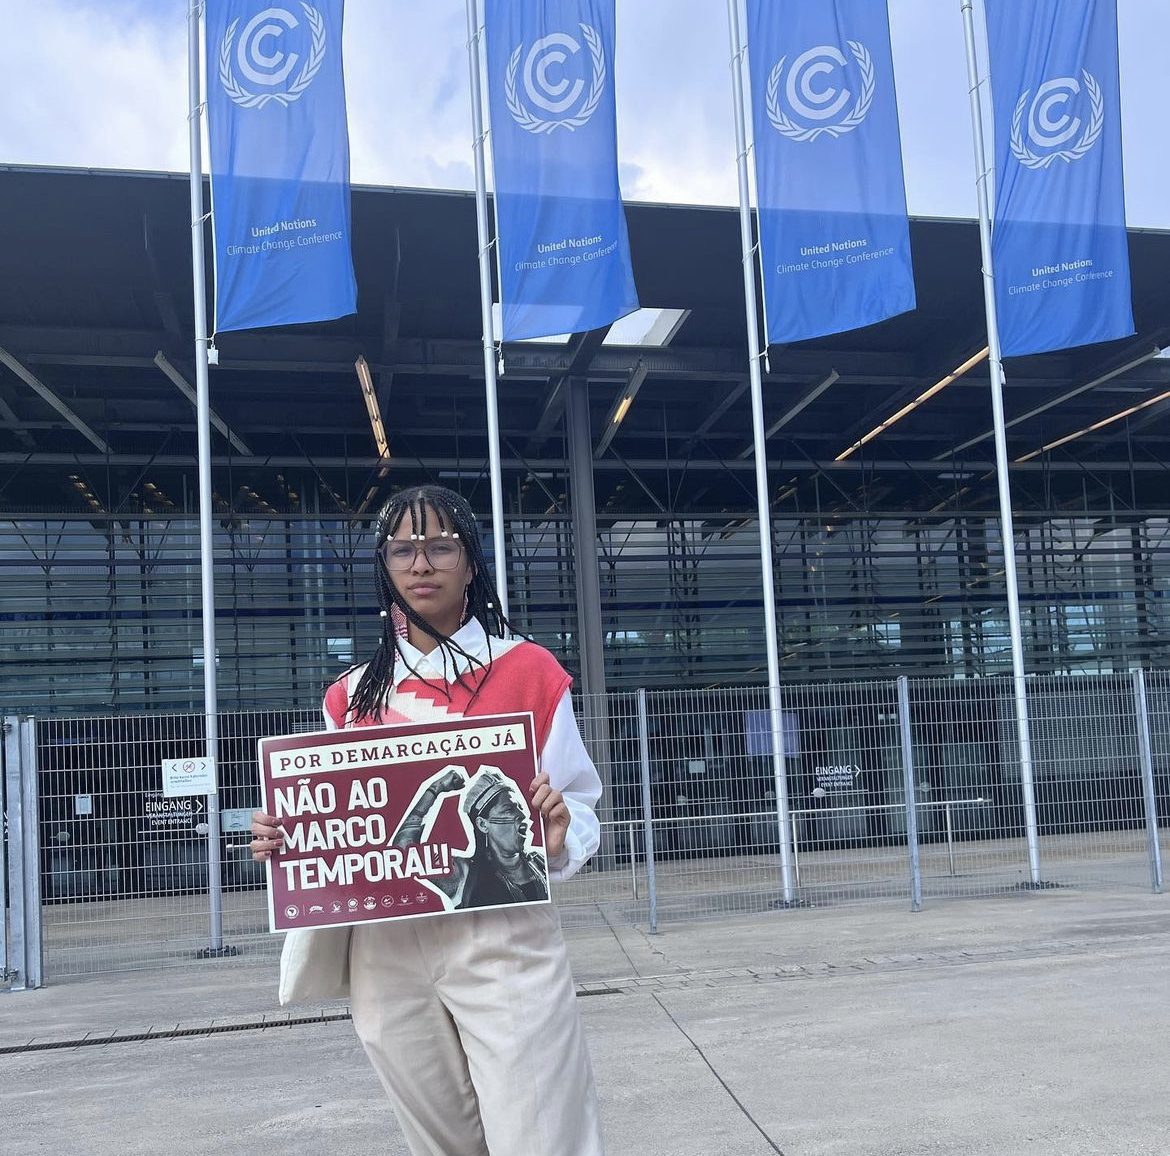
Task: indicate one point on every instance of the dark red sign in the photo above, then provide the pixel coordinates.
(395, 822)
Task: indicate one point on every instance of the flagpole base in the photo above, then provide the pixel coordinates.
(788, 904)
(225, 952)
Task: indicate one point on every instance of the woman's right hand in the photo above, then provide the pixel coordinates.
(267, 836)
(451, 779)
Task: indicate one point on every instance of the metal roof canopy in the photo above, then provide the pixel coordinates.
(97, 284)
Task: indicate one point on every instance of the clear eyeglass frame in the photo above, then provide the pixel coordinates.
(441, 554)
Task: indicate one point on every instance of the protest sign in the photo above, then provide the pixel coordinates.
(395, 822)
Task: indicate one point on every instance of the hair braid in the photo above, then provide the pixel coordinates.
(483, 603)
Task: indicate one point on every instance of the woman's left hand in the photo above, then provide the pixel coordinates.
(555, 812)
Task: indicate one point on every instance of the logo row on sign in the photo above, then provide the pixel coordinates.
(558, 81)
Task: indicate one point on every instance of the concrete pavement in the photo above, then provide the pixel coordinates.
(1036, 1024)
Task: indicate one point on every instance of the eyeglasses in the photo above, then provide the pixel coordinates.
(441, 553)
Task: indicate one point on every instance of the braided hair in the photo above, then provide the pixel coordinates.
(456, 518)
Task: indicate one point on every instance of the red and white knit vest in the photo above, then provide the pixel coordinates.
(522, 677)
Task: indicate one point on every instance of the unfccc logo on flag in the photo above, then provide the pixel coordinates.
(810, 93)
(547, 85)
(263, 61)
(1050, 124)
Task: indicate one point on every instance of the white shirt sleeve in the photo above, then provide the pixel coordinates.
(571, 771)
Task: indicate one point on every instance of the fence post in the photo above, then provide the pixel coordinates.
(5, 973)
(1145, 748)
(911, 793)
(15, 966)
(795, 848)
(647, 810)
(633, 861)
(23, 963)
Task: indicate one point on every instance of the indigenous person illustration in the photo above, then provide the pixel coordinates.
(503, 867)
(470, 1018)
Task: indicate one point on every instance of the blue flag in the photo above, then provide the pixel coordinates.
(1058, 237)
(563, 250)
(834, 236)
(279, 163)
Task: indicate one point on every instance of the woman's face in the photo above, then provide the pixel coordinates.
(432, 581)
(506, 825)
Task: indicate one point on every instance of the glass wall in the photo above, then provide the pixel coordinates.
(102, 613)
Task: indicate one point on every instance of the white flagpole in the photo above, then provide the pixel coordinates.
(764, 514)
(1007, 531)
(474, 35)
(203, 423)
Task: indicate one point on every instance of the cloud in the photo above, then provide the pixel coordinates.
(93, 85)
(406, 81)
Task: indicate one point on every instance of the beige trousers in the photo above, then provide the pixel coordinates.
(471, 1023)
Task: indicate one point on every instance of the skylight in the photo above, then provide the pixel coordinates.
(647, 328)
(644, 328)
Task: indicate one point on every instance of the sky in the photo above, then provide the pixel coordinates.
(103, 84)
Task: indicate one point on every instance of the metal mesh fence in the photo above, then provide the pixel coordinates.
(124, 869)
(1088, 813)
(1088, 780)
(614, 883)
(693, 823)
(1158, 706)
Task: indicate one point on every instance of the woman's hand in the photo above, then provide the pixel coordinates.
(451, 779)
(555, 812)
(267, 836)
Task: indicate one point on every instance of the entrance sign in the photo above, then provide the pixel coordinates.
(162, 816)
(837, 776)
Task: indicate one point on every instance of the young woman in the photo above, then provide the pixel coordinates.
(469, 1019)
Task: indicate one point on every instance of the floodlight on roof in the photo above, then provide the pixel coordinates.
(372, 408)
(910, 407)
(1127, 412)
(621, 407)
(1051, 403)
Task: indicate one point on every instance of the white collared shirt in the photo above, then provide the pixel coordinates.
(563, 756)
(470, 637)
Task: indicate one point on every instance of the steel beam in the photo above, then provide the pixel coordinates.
(46, 394)
(804, 402)
(182, 385)
(583, 349)
(18, 427)
(367, 462)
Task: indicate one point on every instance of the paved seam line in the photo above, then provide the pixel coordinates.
(618, 940)
(170, 1034)
(738, 1102)
(679, 981)
(94, 1041)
